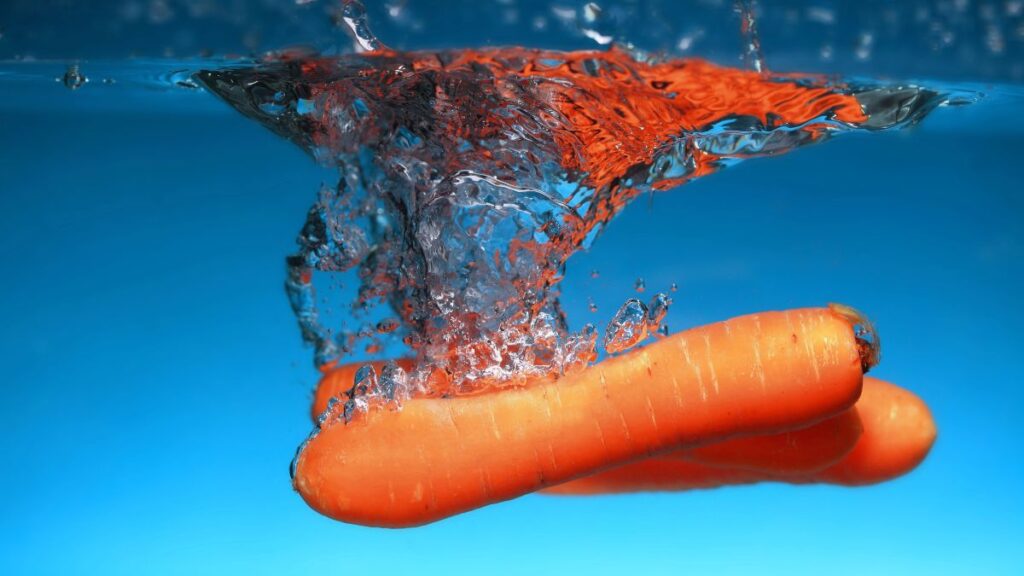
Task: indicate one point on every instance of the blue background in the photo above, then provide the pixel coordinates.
(154, 387)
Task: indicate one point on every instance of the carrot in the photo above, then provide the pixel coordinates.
(799, 451)
(437, 457)
(805, 451)
(898, 433)
(658, 475)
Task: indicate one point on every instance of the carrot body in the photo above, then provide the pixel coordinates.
(799, 451)
(441, 456)
(898, 433)
(657, 475)
(805, 451)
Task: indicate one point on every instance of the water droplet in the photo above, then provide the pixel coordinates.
(595, 274)
(663, 331)
(73, 79)
(591, 305)
(674, 287)
(640, 285)
(628, 328)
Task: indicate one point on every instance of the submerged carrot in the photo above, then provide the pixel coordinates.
(437, 457)
(658, 475)
(805, 451)
(898, 433)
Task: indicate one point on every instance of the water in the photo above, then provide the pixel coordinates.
(156, 384)
(467, 179)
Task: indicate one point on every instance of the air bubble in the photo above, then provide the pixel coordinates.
(752, 54)
(640, 285)
(364, 385)
(580, 350)
(592, 23)
(353, 15)
(628, 328)
(387, 325)
(657, 310)
(73, 78)
(393, 383)
(864, 44)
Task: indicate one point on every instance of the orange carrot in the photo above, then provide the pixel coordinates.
(658, 475)
(437, 457)
(805, 451)
(797, 452)
(898, 433)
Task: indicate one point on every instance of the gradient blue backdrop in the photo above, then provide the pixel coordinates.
(154, 388)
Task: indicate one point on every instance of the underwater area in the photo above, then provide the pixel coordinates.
(206, 203)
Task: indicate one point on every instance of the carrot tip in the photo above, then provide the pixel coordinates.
(869, 345)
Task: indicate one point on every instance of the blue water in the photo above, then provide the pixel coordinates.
(154, 386)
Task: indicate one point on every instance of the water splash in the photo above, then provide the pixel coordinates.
(469, 178)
